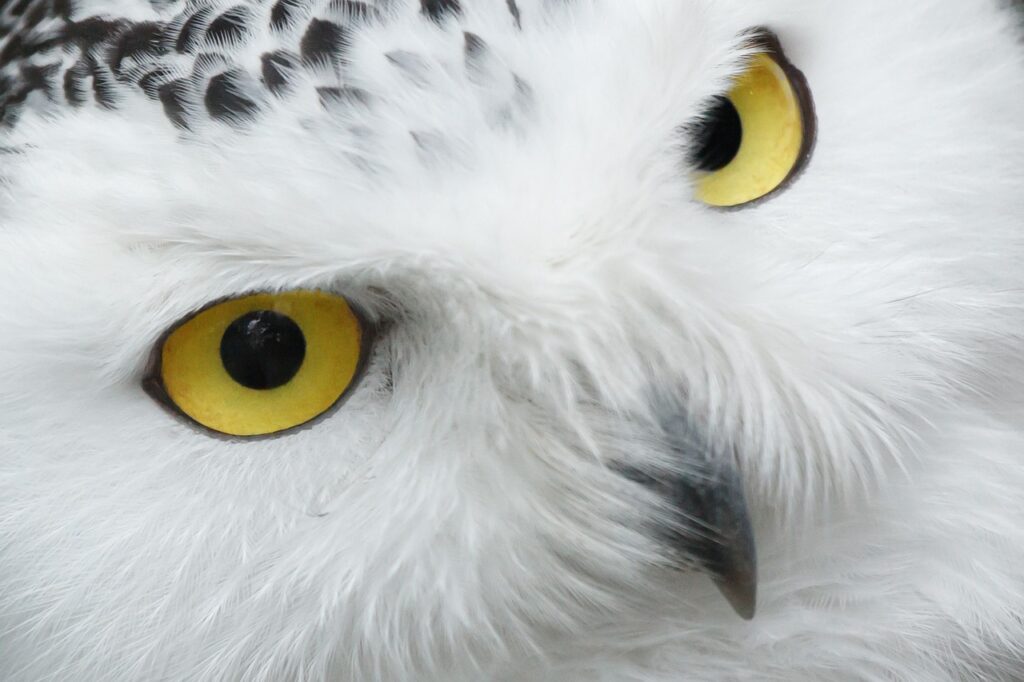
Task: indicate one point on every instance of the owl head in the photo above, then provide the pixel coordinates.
(487, 339)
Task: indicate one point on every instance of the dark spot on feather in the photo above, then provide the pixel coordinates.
(174, 96)
(439, 10)
(104, 87)
(208, 62)
(188, 37)
(74, 82)
(524, 93)
(476, 52)
(431, 145)
(522, 87)
(92, 31)
(277, 69)
(353, 9)
(8, 115)
(323, 42)
(9, 111)
(15, 98)
(282, 14)
(151, 81)
(224, 99)
(474, 46)
(39, 78)
(329, 95)
(343, 95)
(50, 74)
(229, 27)
(415, 67)
(513, 8)
(144, 39)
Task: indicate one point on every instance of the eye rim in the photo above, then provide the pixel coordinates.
(766, 42)
(153, 384)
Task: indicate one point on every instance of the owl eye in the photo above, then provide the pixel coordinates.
(260, 364)
(756, 139)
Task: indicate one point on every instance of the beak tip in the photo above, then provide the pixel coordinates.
(741, 593)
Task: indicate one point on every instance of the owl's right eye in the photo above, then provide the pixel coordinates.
(261, 364)
(756, 139)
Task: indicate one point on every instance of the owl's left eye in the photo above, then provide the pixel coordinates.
(260, 364)
(757, 138)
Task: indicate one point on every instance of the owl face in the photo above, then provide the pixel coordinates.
(465, 340)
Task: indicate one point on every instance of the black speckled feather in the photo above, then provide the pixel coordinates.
(47, 59)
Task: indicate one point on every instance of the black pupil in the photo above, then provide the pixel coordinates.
(262, 349)
(718, 137)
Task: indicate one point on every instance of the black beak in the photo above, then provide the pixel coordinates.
(722, 540)
(709, 524)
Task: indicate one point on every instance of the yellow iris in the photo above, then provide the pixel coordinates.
(776, 122)
(263, 363)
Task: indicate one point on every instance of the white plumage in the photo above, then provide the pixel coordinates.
(523, 232)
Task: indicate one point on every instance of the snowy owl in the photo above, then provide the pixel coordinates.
(511, 340)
